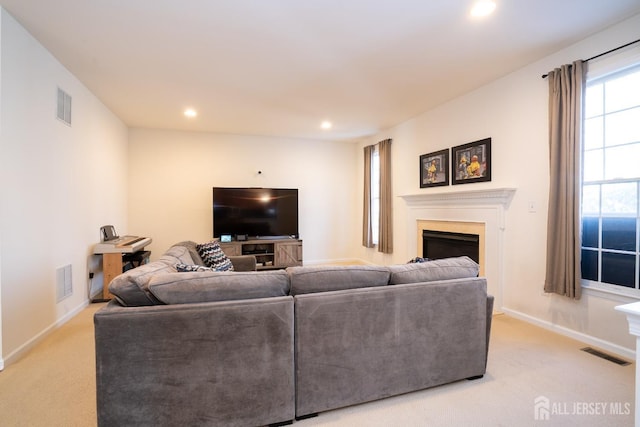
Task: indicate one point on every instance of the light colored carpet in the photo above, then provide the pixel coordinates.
(54, 385)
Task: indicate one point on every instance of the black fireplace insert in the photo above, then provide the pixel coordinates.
(444, 244)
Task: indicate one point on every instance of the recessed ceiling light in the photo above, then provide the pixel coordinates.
(483, 8)
(326, 125)
(190, 112)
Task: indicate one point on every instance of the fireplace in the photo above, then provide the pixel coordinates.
(445, 244)
(452, 238)
(481, 212)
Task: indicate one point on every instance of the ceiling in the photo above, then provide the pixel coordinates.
(281, 67)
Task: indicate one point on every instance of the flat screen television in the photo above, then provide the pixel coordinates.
(258, 213)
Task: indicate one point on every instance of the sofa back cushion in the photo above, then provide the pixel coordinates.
(193, 251)
(209, 286)
(440, 269)
(177, 254)
(305, 280)
(131, 288)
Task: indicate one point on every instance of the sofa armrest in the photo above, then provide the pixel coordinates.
(490, 301)
(243, 262)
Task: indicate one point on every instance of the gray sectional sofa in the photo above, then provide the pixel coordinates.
(253, 348)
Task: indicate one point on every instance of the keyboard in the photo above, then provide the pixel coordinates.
(125, 244)
(130, 241)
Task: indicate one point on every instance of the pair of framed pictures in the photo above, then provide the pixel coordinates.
(469, 163)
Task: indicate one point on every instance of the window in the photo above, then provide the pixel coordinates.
(375, 195)
(610, 243)
(377, 218)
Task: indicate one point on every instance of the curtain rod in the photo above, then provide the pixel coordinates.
(604, 53)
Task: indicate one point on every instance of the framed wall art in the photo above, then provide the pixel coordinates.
(434, 169)
(471, 162)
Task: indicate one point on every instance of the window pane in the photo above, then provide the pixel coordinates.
(622, 127)
(375, 214)
(623, 92)
(619, 269)
(619, 198)
(593, 100)
(590, 231)
(375, 195)
(589, 265)
(593, 134)
(620, 162)
(619, 233)
(592, 164)
(591, 200)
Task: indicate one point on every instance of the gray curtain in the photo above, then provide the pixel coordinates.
(367, 233)
(566, 98)
(385, 237)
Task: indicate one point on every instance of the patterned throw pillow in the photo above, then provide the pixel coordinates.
(185, 268)
(418, 260)
(213, 257)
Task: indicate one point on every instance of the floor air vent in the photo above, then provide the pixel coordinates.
(605, 356)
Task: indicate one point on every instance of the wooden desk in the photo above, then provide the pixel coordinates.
(111, 267)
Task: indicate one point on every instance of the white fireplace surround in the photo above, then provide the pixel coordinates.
(487, 207)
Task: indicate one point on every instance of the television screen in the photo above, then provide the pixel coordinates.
(259, 213)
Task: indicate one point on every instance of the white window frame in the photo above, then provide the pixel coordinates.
(606, 66)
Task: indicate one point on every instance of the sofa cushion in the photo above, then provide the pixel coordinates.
(191, 247)
(312, 279)
(243, 262)
(213, 256)
(131, 288)
(177, 255)
(208, 286)
(185, 268)
(440, 269)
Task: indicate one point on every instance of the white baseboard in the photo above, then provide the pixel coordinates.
(17, 353)
(579, 336)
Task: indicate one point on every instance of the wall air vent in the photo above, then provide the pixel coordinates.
(64, 107)
(64, 285)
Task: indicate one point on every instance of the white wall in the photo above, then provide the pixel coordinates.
(59, 184)
(171, 176)
(513, 112)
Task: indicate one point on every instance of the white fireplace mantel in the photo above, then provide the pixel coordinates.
(493, 196)
(486, 206)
